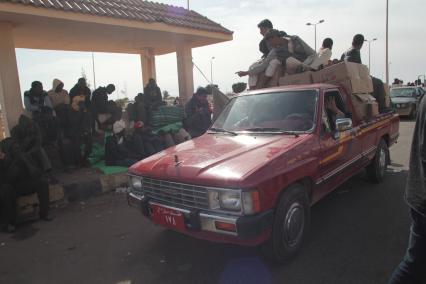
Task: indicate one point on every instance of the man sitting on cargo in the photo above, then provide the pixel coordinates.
(322, 58)
(264, 27)
(268, 65)
(353, 54)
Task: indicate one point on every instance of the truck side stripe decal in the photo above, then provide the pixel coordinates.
(344, 166)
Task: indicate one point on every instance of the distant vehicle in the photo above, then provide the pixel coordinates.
(405, 100)
(252, 178)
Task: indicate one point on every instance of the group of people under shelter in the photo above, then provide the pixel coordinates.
(60, 129)
(289, 54)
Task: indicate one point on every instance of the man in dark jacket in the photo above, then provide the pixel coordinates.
(198, 113)
(20, 175)
(152, 94)
(39, 104)
(28, 136)
(353, 54)
(412, 268)
(264, 27)
(101, 105)
(277, 56)
(81, 89)
(121, 149)
(77, 134)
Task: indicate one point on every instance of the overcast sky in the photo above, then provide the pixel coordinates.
(343, 19)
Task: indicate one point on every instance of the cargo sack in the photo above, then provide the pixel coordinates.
(166, 115)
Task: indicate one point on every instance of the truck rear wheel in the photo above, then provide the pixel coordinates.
(291, 223)
(376, 169)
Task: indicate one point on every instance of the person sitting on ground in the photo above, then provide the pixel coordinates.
(20, 175)
(58, 95)
(322, 58)
(59, 98)
(198, 113)
(141, 109)
(39, 104)
(152, 143)
(81, 88)
(151, 98)
(36, 99)
(27, 135)
(77, 134)
(117, 150)
(101, 105)
(152, 94)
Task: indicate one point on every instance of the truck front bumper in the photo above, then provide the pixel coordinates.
(249, 230)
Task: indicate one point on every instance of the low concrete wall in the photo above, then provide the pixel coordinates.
(78, 191)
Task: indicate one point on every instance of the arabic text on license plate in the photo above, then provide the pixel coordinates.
(168, 217)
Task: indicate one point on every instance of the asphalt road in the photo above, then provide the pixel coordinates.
(358, 235)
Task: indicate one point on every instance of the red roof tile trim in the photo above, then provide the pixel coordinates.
(136, 10)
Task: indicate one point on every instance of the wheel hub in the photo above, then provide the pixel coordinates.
(294, 224)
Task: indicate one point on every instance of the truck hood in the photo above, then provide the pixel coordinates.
(217, 160)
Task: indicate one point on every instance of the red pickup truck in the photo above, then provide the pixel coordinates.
(268, 157)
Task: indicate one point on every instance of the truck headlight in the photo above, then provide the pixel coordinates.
(230, 200)
(136, 182)
(246, 202)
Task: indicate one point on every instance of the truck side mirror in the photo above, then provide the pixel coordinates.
(343, 124)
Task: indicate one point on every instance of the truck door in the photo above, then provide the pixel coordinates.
(339, 151)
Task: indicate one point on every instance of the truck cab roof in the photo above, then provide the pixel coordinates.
(319, 86)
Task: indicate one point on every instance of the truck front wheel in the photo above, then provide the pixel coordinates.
(376, 169)
(291, 223)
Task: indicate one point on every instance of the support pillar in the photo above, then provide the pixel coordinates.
(185, 73)
(10, 91)
(148, 65)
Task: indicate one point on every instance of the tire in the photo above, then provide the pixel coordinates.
(290, 226)
(413, 112)
(376, 169)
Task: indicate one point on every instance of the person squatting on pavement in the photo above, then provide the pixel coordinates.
(20, 174)
(412, 268)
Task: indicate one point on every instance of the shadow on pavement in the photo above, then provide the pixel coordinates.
(357, 235)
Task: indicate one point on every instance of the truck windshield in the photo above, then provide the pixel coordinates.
(280, 112)
(403, 92)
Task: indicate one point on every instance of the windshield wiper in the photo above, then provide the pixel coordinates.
(223, 131)
(271, 129)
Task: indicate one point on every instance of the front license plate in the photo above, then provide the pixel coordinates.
(167, 217)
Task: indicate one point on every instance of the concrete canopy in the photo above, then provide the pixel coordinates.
(48, 28)
(116, 26)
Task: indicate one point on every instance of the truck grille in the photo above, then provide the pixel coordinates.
(173, 193)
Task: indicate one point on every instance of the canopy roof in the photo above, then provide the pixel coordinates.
(127, 26)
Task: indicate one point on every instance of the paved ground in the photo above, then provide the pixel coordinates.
(358, 235)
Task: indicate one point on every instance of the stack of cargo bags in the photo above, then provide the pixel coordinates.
(354, 78)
